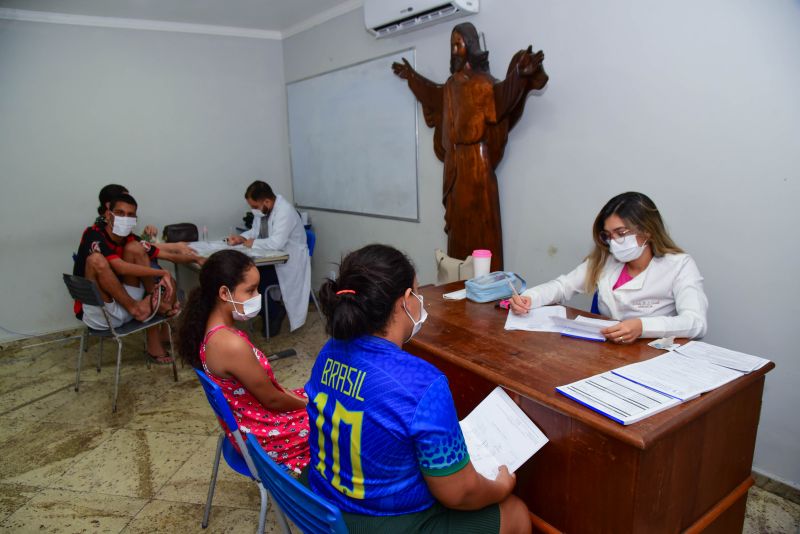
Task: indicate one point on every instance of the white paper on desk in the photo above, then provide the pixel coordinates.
(583, 327)
(678, 376)
(731, 359)
(459, 294)
(617, 398)
(497, 432)
(207, 248)
(536, 320)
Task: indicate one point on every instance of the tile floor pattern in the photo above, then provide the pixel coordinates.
(70, 465)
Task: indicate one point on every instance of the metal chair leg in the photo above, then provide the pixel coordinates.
(316, 303)
(80, 358)
(172, 353)
(100, 354)
(116, 375)
(262, 515)
(265, 307)
(281, 518)
(212, 484)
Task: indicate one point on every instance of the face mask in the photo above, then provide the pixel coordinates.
(628, 250)
(257, 213)
(250, 307)
(123, 226)
(422, 317)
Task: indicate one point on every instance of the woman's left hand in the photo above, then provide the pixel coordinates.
(626, 331)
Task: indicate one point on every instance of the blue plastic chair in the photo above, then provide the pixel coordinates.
(595, 306)
(241, 462)
(311, 513)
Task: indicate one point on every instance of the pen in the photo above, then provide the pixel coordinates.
(513, 289)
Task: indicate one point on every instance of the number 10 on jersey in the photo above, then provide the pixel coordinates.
(349, 482)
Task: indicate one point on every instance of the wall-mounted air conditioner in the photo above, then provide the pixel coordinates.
(392, 17)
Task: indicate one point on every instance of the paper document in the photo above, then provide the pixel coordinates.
(498, 432)
(207, 248)
(731, 359)
(460, 294)
(537, 319)
(617, 398)
(583, 327)
(678, 376)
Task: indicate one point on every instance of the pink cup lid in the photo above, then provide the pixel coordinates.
(481, 253)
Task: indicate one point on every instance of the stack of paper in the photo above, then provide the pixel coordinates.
(583, 327)
(617, 398)
(537, 319)
(731, 359)
(497, 433)
(677, 375)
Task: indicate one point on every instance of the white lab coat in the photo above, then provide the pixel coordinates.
(667, 296)
(286, 232)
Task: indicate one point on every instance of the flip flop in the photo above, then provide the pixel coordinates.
(154, 305)
(159, 360)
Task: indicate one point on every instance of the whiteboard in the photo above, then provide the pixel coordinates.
(353, 140)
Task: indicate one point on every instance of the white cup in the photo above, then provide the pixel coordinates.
(482, 262)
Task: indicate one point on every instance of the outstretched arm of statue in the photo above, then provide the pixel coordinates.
(525, 73)
(427, 92)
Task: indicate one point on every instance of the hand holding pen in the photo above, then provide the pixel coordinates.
(519, 305)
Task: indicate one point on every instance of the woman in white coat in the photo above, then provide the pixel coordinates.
(642, 278)
(277, 226)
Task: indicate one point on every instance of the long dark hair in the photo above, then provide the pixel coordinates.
(479, 59)
(223, 268)
(377, 275)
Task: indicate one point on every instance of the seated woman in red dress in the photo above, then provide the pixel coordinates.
(228, 292)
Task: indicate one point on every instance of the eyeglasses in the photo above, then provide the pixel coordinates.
(617, 235)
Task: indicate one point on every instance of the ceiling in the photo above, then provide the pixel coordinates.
(270, 15)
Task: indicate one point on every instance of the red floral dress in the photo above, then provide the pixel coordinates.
(283, 435)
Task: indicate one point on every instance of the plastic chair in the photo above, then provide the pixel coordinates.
(85, 291)
(241, 462)
(311, 513)
(595, 306)
(311, 240)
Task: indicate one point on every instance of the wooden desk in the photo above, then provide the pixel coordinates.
(685, 469)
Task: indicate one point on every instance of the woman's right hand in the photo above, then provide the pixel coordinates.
(505, 479)
(520, 305)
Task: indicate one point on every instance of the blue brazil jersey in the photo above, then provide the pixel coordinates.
(379, 419)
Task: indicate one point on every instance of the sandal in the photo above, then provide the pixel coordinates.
(159, 360)
(155, 303)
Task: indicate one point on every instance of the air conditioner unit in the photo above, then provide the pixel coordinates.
(393, 17)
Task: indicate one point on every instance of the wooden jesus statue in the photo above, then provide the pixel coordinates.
(472, 114)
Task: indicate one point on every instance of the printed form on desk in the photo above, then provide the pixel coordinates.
(497, 432)
(677, 375)
(536, 320)
(583, 327)
(617, 398)
(738, 361)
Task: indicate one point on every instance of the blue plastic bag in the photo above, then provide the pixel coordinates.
(494, 286)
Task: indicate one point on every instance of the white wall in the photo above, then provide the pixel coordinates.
(695, 104)
(185, 121)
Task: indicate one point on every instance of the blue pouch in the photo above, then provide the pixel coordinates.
(493, 286)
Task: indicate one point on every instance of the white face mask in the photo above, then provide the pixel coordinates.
(123, 226)
(257, 213)
(422, 316)
(628, 250)
(250, 307)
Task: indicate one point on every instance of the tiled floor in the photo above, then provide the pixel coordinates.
(70, 465)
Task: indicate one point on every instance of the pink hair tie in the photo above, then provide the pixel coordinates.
(343, 291)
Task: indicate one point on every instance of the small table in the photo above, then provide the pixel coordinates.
(686, 469)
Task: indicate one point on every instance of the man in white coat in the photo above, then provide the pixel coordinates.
(277, 226)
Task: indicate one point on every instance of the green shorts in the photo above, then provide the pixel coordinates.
(435, 519)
